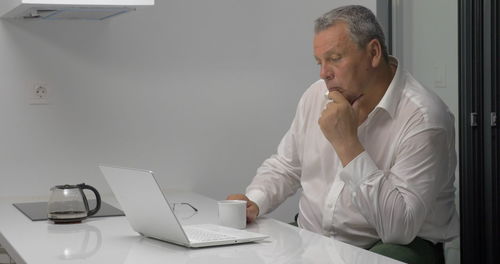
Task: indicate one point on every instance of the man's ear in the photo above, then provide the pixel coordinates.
(375, 51)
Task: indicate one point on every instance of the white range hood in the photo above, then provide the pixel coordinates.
(69, 9)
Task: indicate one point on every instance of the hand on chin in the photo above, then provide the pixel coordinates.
(339, 125)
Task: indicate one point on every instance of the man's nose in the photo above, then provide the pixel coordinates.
(325, 73)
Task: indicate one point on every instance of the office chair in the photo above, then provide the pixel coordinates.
(4, 255)
(294, 223)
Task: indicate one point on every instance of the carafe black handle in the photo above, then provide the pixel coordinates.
(97, 197)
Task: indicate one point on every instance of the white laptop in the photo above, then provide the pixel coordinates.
(149, 213)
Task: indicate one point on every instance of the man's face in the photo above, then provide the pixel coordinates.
(344, 66)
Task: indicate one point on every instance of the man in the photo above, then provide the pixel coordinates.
(375, 160)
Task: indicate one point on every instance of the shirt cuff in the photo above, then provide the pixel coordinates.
(259, 197)
(358, 170)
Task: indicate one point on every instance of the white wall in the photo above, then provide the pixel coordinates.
(199, 91)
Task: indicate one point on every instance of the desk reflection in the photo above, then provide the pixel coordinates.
(152, 251)
(296, 247)
(80, 240)
(289, 245)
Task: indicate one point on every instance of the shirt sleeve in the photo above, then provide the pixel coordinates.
(396, 202)
(279, 176)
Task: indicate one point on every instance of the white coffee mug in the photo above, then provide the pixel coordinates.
(233, 213)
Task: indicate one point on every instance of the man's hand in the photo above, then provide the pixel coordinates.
(252, 208)
(339, 123)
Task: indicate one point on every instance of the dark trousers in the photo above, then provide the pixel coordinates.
(419, 251)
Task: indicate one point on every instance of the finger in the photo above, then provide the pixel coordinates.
(252, 213)
(250, 219)
(237, 197)
(337, 97)
(326, 95)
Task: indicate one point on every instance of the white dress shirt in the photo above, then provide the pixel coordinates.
(400, 187)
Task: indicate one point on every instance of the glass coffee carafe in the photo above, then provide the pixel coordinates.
(68, 203)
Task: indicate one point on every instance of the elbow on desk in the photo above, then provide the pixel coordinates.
(402, 233)
(403, 227)
(400, 239)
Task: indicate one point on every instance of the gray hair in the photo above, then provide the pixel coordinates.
(361, 23)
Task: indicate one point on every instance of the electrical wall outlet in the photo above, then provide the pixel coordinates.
(40, 94)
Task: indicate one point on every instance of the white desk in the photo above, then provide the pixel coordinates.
(111, 240)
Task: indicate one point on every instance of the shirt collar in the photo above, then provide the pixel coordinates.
(390, 100)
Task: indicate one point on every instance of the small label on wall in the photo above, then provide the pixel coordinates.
(440, 76)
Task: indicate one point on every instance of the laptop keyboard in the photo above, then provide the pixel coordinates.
(202, 235)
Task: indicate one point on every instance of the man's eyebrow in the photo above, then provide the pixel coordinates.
(330, 52)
